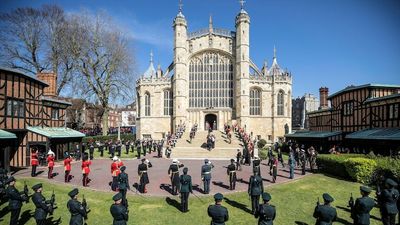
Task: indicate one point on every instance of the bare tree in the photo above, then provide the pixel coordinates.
(104, 61)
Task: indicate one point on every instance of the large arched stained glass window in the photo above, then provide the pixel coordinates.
(147, 104)
(210, 81)
(167, 103)
(281, 103)
(255, 102)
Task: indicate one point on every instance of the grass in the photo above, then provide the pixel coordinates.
(130, 155)
(294, 201)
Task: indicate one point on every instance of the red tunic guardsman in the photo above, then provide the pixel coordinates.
(85, 171)
(50, 164)
(114, 173)
(34, 162)
(67, 167)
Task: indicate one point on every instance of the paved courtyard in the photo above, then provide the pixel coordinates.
(159, 179)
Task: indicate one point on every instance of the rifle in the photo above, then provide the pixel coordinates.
(52, 203)
(318, 203)
(351, 201)
(26, 192)
(85, 206)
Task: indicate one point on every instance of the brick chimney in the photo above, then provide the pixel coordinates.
(323, 98)
(51, 79)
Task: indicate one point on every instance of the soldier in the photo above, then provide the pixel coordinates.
(218, 213)
(144, 147)
(114, 173)
(119, 148)
(138, 147)
(291, 163)
(303, 161)
(266, 212)
(127, 144)
(118, 211)
(50, 164)
(256, 165)
(325, 214)
(91, 151)
(173, 173)
(77, 210)
(67, 167)
(159, 149)
(186, 187)
(389, 197)
(15, 199)
(100, 147)
(123, 185)
(254, 190)
(143, 176)
(238, 159)
(112, 149)
(274, 166)
(231, 172)
(34, 162)
(77, 152)
(362, 207)
(43, 207)
(85, 170)
(280, 157)
(206, 175)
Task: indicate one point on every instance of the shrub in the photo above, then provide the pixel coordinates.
(334, 164)
(263, 153)
(386, 167)
(261, 143)
(360, 169)
(109, 137)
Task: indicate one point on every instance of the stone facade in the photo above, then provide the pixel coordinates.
(212, 78)
(300, 107)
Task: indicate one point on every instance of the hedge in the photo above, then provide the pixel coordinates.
(261, 143)
(109, 137)
(366, 169)
(360, 169)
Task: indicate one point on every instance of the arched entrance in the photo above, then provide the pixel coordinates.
(210, 120)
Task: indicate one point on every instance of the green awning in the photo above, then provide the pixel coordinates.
(56, 132)
(390, 134)
(5, 135)
(313, 134)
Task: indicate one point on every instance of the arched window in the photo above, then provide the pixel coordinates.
(147, 104)
(167, 103)
(281, 103)
(210, 81)
(255, 102)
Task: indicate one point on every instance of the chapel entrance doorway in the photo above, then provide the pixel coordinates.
(210, 121)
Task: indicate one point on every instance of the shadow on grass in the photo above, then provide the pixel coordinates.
(220, 184)
(300, 223)
(49, 221)
(197, 188)
(343, 208)
(4, 212)
(173, 202)
(25, 217)
(343, 221)
(237, 205)
(166, 187)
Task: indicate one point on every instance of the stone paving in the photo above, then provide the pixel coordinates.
(159, 179)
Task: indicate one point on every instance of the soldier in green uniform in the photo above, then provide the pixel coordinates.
(173, 172)
(78, 212)
(42, 206)
(231, 172)
(362, 207)
(325, 214)
(143, 176)
(118, 211)
(218, 213)
(389, 197)
(186, 187)
(256, 165)
(266, 212)
(123, 185)
(255, 189)
(206, 175)
(15, 199)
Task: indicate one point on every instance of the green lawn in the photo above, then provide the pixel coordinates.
(130, 155)
(294, 201)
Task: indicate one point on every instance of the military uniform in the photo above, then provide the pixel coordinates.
(186, 187)
(101, 149)
(173, 172)
(389, 197)
(218, 213)
(206, 175)
(291, 163)
(127, 144)
(42, 207)
(256, 165)
(231, 172)
(266, 213)
(362, 207)
(118, 211)
(325, 214)
(255, 189)
(78, 212)
(123, 185)
(138, 148)
(15, 199)
(91, 151)
(143, 176)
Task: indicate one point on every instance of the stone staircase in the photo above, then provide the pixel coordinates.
(197, 149)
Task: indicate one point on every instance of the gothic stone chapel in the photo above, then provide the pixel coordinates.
(212, 81)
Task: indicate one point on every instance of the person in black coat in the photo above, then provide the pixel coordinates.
(123, 185)
(186, 187)
(91, 151)
(42, 206)
(266, 212)
(388, 199)
(119, 212)
(325, 214)
(206, 175)
(218, 213)
(143, 176)
(77, 210)
(255, 189)
(15, 199)
(101, 148)
(231, 172)
(362, 207)
(173, 173)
